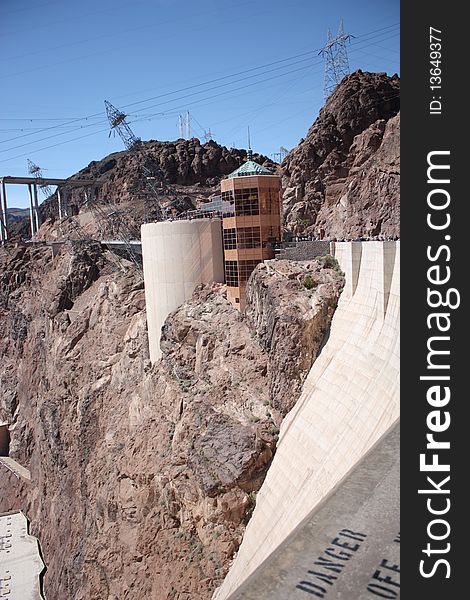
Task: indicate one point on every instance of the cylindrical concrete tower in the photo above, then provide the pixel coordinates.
(177, 256)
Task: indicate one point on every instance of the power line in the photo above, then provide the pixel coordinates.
(54, 145)
(182, 97)
(64, 119)
(113, 50)
(171, 94)
(50, 136)
(383, 101)
(106, 129)
(367, 36)
(153, 106)
(114, 34)
(240, 87)
(310, 52)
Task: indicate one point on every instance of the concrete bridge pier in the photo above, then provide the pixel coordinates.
(3, 214)
(37, 218)
(31, 210)
(34, 216)
(59, 203)
(62, 201)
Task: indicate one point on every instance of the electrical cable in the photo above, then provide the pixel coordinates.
(368, 36)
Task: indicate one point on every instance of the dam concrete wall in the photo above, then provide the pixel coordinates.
(21, 564)
(349, 400)
(177, 256)
(361, 515)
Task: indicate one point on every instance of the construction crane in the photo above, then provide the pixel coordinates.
(36, 172)
(118, 123)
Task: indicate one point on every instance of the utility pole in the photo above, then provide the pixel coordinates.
(188, 126)
(117, 121)
(336, 59)
(3, 214)
(280, 156)
(180, 127)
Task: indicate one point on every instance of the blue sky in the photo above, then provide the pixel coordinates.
(59, 59)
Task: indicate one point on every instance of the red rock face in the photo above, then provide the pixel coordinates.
(143, 478)
(186, 173)
(342, 180)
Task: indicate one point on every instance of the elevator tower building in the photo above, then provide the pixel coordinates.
(253, 226)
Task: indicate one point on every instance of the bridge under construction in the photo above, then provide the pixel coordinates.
(33, 183)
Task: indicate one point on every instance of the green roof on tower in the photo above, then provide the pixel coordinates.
(250, 167)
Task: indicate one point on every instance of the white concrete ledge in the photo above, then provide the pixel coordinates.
(20, 561)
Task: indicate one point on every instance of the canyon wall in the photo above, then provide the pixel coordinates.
(143, 477)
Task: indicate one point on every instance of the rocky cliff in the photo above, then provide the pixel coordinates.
(143, 478)
(342, 180)
(183, 174)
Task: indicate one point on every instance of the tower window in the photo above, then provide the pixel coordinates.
(230, 239)
(231, 273)
(248, 237)
(245, 269)
(246, 202)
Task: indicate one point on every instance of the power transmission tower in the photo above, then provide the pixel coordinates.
(117, 121)
(280, 156)
(36, 172)
(188, 126)
(336, 59)
(208, 135)
(180, 127)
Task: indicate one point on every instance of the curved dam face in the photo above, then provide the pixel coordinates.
(349, 400)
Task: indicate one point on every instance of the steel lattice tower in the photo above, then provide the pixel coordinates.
(117, 121)
(336, 59)
(36, 172)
